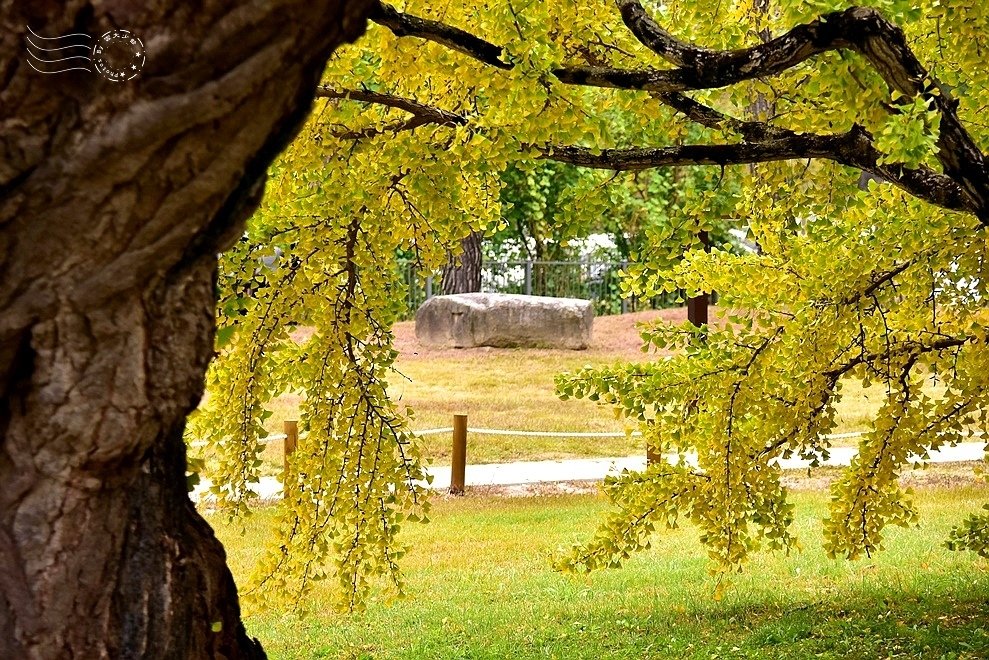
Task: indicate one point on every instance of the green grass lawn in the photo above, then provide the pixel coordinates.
(481, 588)
(514, 389)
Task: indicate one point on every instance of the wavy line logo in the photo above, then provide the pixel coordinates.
(118, 55)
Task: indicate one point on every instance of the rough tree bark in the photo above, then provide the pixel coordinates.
(462, 272)
(115, 198)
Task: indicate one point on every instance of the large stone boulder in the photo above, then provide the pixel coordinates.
(504, 320)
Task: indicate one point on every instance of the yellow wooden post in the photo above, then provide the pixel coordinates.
(458, 470)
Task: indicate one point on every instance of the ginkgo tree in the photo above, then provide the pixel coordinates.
(853, 135)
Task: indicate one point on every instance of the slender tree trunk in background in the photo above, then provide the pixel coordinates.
(115, 198)
(539, 287)
(697, 307)
(462, 272)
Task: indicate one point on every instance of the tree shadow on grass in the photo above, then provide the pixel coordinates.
(898, 624)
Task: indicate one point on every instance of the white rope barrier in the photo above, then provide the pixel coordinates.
(552, 434)
(530, 434)
(539, 434)
(445, 429)
(577, 434)
(842, 436)
(265, 440)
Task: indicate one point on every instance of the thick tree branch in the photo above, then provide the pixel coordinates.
(861, 153)
(853, 148)
(964, 186)
(407, 25)
(806, 146)
(763, 143)
(861, 29)
(762, 138)
(645, 79)
(655, 38)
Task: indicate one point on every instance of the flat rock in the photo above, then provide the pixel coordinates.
(504, 320)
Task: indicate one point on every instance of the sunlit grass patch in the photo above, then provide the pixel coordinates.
(481, 587)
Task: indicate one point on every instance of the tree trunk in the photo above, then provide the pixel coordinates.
(115, 198)
(697, 307)
(462, 273)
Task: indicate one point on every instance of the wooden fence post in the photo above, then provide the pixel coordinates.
(458, 469)
(291, 440)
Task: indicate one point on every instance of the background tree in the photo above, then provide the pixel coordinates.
(534, 200)
(542, 217)
(462, 271)
(885, 284)
(114, 201)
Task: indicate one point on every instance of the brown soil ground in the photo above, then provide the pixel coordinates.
(613, 337)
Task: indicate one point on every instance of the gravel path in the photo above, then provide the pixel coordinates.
(595, 469)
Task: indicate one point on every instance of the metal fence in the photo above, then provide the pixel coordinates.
(589, 280)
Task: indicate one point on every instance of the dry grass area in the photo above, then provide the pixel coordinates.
(504, 388)
(511, 388)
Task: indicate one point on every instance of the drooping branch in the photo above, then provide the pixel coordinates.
(422, 114)
(909, 348)
(407, 25)
(697, 112)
